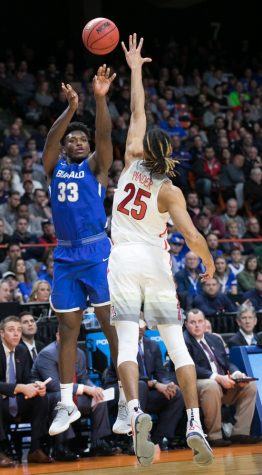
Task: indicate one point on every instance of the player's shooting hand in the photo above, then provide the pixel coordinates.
(71, 95)
(102, 81)
(133, 55)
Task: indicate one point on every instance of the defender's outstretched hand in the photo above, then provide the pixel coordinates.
(71, 95)
(133, 55)
(102, 81)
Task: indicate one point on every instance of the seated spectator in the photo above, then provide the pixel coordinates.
(21, 274)
(8, 211)
(193, 205)
(225, 276)
(212, 301)
(34, 222)
(5, 293)
(247, 278)
(15, 293)
(231, 212)
(45, 366)
(213, 245)
(40, 291)
(40, 207)
(254, 297)
(254, 232)
(13, 252)
(27, 197)
(232, 233)
(216, 386)
(21, 235)
(207, 170)
(158, 394)
(21, 399)
(232, 179)
(48, 236)
(29, 330)
(246, 319)
(253, 190)
(4, 239)
(217, 225)
(236, 265)
(4, 194)
(188, 280)
(176, 252)
(47, 271)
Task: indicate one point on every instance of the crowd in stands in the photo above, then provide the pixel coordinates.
(212, 109)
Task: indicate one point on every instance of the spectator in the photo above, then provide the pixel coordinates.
(207, 170)
(253, 190)
(4, 239)
(212, 301)
(13, 252)
(157, 392)
(253, 232)
(176, 252)
(34, 222)
(225, 276)
(29, 330)
(188, 280)
(24, 400)
(217, 225)
(15, 293)
(246, 320)
(40, 291)
(18, 267)
(232, 213)
(5, 293)
(213, 245)
(236, 265)
(8, 211)
(21, 235)
(193, 205)
(232, 233)
(247, 278)
(212, 367)
(254, 296)
(3, 192)
(45, 365)
(40, 207)
(47, 272)
(232, 179)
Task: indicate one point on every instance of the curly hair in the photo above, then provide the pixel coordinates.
(157, 152)
(75, 126)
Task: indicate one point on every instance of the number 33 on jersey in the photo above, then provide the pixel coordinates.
(135, 214)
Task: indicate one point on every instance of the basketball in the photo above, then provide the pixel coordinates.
(100, 36)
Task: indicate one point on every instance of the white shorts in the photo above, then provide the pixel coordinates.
(141, 274)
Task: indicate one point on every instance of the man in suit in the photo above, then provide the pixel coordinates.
(246, 320)
(212, 301)
(45, 366)
(29, 329)
(254, 296)
(157, 393)
(21, 400)
(216, 385)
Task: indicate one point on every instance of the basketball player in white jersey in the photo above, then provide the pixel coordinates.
(139, 265)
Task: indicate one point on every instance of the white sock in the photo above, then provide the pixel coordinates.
(132, 405)
(67, 394)
(122, 397)
(193, 413)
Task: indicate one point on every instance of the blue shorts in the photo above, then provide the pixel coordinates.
(80, 274)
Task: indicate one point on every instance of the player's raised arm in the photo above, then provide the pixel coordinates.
(137, 127)
(171, 199)
(52, 145)
(101, 160)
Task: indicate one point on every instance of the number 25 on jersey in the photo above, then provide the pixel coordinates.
(138, 202)
(67, 191)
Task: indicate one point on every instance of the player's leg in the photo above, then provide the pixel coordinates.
(161, 308)
(125, 295)
(68, 300)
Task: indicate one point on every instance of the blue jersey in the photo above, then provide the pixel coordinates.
(77, 201)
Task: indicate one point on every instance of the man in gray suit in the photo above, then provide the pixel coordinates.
(45, 366)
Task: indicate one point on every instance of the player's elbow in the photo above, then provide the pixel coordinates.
(192, 237)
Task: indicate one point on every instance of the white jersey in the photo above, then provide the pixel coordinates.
(135, 216)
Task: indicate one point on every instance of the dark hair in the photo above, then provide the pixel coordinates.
(75, 126)
(194, 311)
(157, 152)
(22, 314)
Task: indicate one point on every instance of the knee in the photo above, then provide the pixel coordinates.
(251, 389)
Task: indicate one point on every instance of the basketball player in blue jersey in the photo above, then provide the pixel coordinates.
(78, 181)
